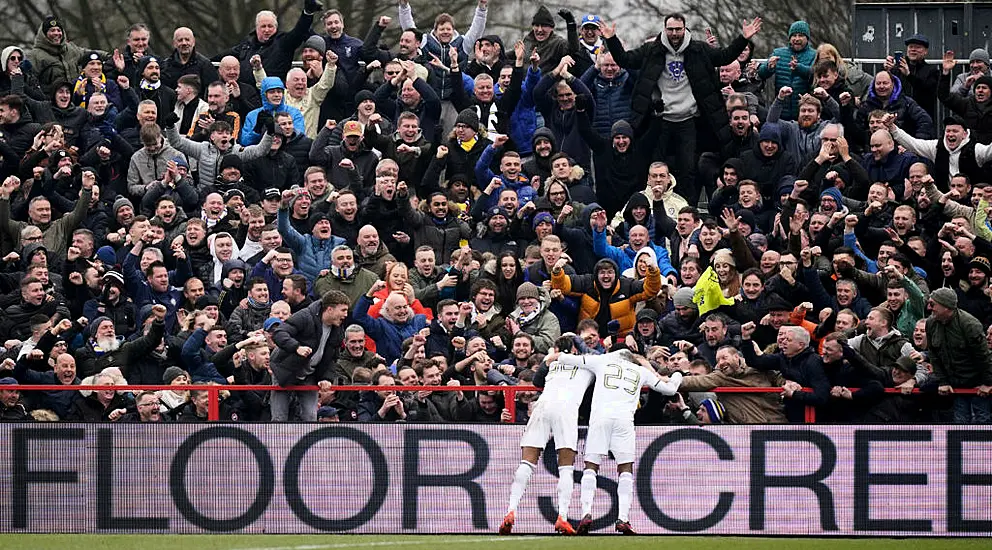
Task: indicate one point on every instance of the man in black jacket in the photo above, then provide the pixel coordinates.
(798, 363)
(677, 85)
(275, 48)
(307, 346)
(919, 78)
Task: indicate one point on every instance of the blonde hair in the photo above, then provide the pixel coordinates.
(829, 51)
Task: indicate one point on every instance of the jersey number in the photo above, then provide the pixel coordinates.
(617, 377)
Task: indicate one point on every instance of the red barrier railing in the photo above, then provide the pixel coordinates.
(509, 392)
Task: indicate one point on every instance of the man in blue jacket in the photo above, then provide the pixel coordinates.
(397, 322)
(313, 251)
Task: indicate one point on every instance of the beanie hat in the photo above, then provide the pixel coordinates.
(945, 297)
(982, 263)
(528, 290)
(984, 79)
(979, 54)
(683, 298)
(172, 373)
(316, 218)
(543, 217)
(906, 363)
(605, 263)
(91, 55)
(714, 409)
(786, 185)
(113, 277)
(56, 157)
(543, 17)
(834, 194)
(469, 118)
(723, 256)
(799, 27)
(771, 132)
(143, 63)
(496, 211)
(231, 161)
(121, 202)
(8, 381)
(363, 95)
(622, 128)
(953, 120)
(51, 22)
(316, 42)
(748, 218)
(206, 301)
(327, 412)
(107, 255)
(181, 161)
(95, 325)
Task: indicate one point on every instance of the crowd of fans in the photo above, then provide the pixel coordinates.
(445, 210)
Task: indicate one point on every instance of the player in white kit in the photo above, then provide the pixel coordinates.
(556, 414)
(620, 375)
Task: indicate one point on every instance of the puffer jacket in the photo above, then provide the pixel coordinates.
(624, 295)
(910, 117)
(53, 62)
(209, 157)
(798, 80)
(523, 120)
(247, 319)
(276, 52)
(611, 98)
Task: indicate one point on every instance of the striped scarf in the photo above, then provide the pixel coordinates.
(79, 90)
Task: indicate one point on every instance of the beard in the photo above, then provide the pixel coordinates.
(108, 344)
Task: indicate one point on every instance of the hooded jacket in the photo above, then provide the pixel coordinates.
(539, 166)
(90, 360)
(606, 304)
(24, 84)
(303, 328)
(52, 62)
(440, 79)
(910, 117)
(958, 353)
(209, 157)
(579, 240)
(624, 257)
(768, 171)
(803, 143)
(618, 175)
(248, 134)
(742, 408)
(564, 123)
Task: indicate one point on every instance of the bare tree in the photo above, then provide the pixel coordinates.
(828, 21)
(217, 24)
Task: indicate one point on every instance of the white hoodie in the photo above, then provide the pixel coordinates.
(927, 148)
(680, 105)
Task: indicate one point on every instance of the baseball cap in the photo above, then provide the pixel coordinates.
(352, 128)
(327, 412)
(271, 322)
(590, 19)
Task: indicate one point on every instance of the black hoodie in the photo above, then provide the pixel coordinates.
(536, 165)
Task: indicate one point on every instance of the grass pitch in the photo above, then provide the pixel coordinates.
(443, 542)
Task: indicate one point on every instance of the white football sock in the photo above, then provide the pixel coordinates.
(625, 494)
(565, 483)
(520, 479)
(588, 491)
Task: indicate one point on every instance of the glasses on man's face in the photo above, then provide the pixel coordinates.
(150, 404)
(33, 238)
(675, 29)
(557, 193)
(439, 204)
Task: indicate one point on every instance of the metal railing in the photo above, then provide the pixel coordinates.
(509, 392)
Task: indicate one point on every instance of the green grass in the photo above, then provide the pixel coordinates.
(440, 542)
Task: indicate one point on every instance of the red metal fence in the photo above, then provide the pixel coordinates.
(509, 392)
